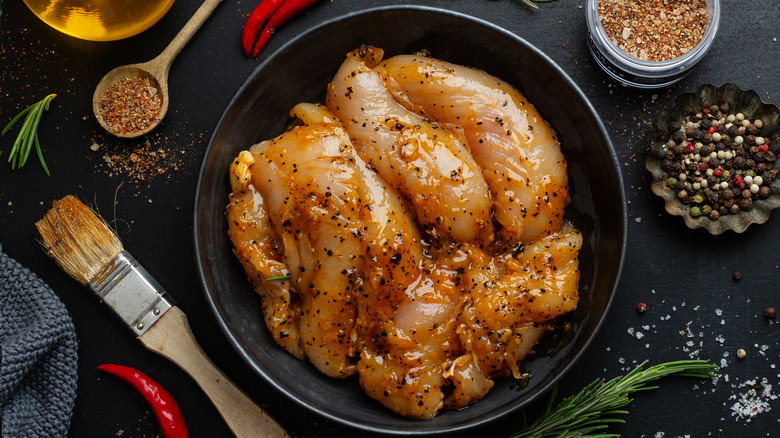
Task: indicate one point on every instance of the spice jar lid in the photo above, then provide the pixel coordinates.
(640, 73)
(686, 107)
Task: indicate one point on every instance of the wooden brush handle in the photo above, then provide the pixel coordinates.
(172, 338)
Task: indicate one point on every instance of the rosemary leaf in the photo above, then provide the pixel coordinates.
(533, 5)
(591, 410)
(282, 278)
(28, 134)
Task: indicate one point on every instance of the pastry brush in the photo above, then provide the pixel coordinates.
(85, 247)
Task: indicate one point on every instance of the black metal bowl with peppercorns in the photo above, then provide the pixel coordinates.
(300, 72)
(714, 158)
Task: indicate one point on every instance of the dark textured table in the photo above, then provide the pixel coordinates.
(695, 307)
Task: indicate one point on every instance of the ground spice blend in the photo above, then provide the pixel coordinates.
(654, 30)
(131, 105)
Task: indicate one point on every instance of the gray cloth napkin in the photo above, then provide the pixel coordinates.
(37, 356)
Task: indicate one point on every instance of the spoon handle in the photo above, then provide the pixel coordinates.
(162, 63)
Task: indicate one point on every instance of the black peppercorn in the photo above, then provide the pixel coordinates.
(675, 125)
(680, 149)
(746, 204)
(770, 313)
(727, 194)
(724, 107)
(751, 129)
(715, 215)
(669, 154)
(678, 137)
(714, 109)
(763, 192)
(734, 209)
(714, 162)
(705, 123)
(733, 131)
(736, 276)
(666, 164)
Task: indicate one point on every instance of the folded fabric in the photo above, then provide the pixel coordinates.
(38, 356)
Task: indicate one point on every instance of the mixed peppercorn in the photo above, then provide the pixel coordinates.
(718, 163)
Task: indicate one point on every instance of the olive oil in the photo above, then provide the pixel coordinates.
(100, 20)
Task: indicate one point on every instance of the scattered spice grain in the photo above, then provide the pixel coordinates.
(654, 30)
(130, 105)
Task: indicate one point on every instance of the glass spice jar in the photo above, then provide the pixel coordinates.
(639, 73)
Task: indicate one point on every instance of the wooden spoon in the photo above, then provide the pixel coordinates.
(155, 70)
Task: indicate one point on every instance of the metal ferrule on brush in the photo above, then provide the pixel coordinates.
(131, 292)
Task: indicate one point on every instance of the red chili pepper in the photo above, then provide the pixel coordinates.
(164, 407)
(283, 13)
(255, 22)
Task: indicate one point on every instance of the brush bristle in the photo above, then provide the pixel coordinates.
(77, 239)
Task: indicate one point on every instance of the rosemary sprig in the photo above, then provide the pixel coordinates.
(533, 5)
(593, 408)
(28, 134)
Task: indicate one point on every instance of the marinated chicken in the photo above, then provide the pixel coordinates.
(424, 161)
(408, 243)
(516, 150)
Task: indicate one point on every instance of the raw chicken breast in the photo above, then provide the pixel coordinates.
(425, 162)
(312, 194)
(517, 151)
(258, 248)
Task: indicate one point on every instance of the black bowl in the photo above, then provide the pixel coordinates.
(299, 72)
